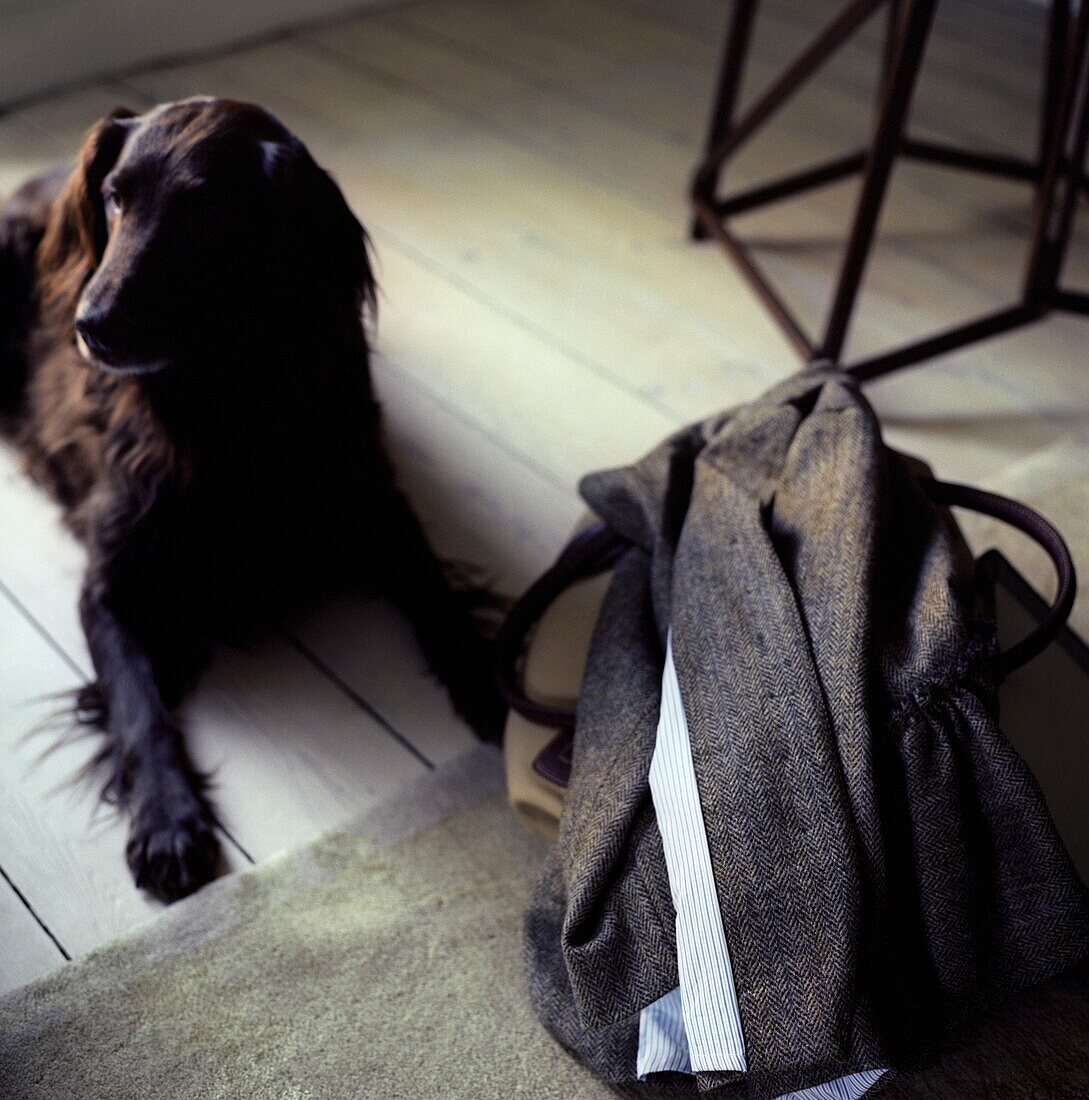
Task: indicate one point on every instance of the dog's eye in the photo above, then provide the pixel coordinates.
(113, 204)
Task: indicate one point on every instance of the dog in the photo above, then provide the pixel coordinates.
(184, 364)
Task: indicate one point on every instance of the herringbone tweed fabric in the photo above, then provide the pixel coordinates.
(884, 862)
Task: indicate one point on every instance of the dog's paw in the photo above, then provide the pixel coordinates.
(172, 854)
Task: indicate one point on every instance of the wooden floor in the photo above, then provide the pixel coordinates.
(521, 165)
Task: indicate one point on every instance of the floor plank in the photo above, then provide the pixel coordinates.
(911, 300)
(484, 501)
(828, 116)
(31, 142)
(65, 851)
(269, 724)
(26, 949)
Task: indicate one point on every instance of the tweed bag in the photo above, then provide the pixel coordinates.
(883, 861)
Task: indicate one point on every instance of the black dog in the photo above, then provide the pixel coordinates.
(183, 361)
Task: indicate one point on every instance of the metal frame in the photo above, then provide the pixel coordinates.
(1056, 173)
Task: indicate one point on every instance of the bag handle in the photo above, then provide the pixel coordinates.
(1044, 534)
(598, 548)
(592, 551)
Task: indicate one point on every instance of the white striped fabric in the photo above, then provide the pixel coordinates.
(846, 1088)
(709, 1006)
(663, 1047)
(697, 1027)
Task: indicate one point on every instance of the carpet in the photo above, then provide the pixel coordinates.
(382, 960)
(385, 960)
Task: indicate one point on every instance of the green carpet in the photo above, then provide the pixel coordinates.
(383, 960)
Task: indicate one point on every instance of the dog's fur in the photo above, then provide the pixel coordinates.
(184, 363)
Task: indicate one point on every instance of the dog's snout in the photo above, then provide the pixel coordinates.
(89, 325)
(109, 338)
(99, 329)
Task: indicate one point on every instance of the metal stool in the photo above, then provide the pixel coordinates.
(1056, 173)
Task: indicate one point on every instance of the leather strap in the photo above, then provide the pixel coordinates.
(1044, 535)
(592, 551)
(597, 549)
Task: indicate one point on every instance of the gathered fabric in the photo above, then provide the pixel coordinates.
(878, 857)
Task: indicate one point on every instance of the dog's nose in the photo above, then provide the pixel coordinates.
(88, 325)
(93, 328)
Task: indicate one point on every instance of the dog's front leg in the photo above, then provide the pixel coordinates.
(172, 847)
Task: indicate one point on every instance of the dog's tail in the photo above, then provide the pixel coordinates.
(477, 592)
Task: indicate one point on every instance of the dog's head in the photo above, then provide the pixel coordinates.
(199, 226)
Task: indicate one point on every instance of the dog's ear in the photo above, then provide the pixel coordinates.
(75, 233)
(329, 248)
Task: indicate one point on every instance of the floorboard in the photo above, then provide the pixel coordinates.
(58, 845)
(26, 948)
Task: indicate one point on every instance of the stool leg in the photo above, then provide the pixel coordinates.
(735, 53)
(793, 77)
(1058, 30)
(892, 37)
(892, 116)
(1062, 171)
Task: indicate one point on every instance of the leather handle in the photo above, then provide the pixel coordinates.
(1044, 535)
(592, 551)
(597, 549)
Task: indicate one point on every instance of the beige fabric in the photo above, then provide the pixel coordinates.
(532, 797)
(554, 664)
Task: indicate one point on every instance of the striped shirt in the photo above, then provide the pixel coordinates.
(697, 1027)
